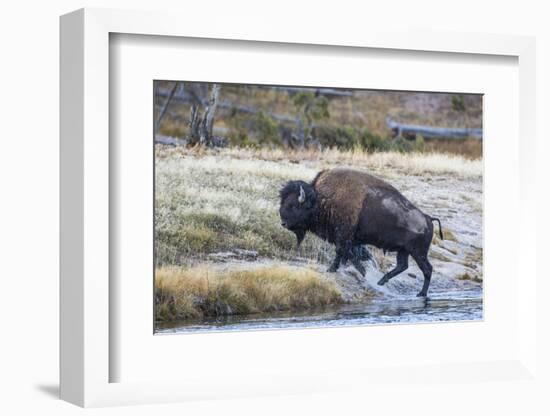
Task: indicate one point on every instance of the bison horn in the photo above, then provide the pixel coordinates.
(302, 196)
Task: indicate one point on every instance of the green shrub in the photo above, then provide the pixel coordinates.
(265, 129)
(419, 143)
(400, 144)
(342, 137)
(374, 143)
(457, 103)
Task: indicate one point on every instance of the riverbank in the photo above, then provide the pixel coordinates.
(439, 307)
(209, 291)
(217, 210)
(216, 290)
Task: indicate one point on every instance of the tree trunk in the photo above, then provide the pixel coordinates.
(200, 128)
(211, 110)
(164, 107)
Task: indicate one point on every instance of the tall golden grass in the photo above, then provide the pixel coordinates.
(182, 293)
(413, 163)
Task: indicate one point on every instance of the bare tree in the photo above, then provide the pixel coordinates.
(209, 114)
(164, 107)
(201, 127)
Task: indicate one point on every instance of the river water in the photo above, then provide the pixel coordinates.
(438, 307)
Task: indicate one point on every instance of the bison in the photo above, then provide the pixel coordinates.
(349, 208)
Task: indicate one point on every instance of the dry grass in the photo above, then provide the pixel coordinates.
(412, 163)
(182, 293)
(447, 236)
(468, 148)
(440, 256)
(214, 202)
(217, 200)
(468, 276)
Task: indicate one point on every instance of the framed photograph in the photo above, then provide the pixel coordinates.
(267, 220)
(282, 213)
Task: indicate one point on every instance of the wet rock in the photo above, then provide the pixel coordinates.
(222, 256)
(236, 254)
(246, 254)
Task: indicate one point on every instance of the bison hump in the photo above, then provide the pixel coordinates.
(341, 194)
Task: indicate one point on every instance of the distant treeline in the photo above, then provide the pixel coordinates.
(257, 116)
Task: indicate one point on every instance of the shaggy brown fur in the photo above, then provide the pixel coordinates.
(341, 194)
(350, 209)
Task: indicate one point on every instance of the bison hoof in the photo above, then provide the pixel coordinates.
(421, 295)
(382, 282)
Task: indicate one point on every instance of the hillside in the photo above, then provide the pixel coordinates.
(264, 115)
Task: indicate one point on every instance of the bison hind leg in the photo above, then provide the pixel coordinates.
(401, 266)
(426, 267)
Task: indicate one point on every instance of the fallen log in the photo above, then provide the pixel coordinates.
(185, 97)
(318, 91)
(216, 141)
(170, 141)
(429, 132)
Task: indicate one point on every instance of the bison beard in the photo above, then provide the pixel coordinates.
(350, 209)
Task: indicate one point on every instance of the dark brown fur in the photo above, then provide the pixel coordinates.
(350, 208)
(341, 194)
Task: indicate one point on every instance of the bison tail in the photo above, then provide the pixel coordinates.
(440, 229)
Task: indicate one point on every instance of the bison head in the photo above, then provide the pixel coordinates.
(297, 207)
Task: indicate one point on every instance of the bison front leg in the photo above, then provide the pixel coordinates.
(336, 262)
(364, 254)
(356, 261)
(345, 251)
(340, 255)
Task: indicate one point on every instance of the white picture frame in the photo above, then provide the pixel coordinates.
(86, 353)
